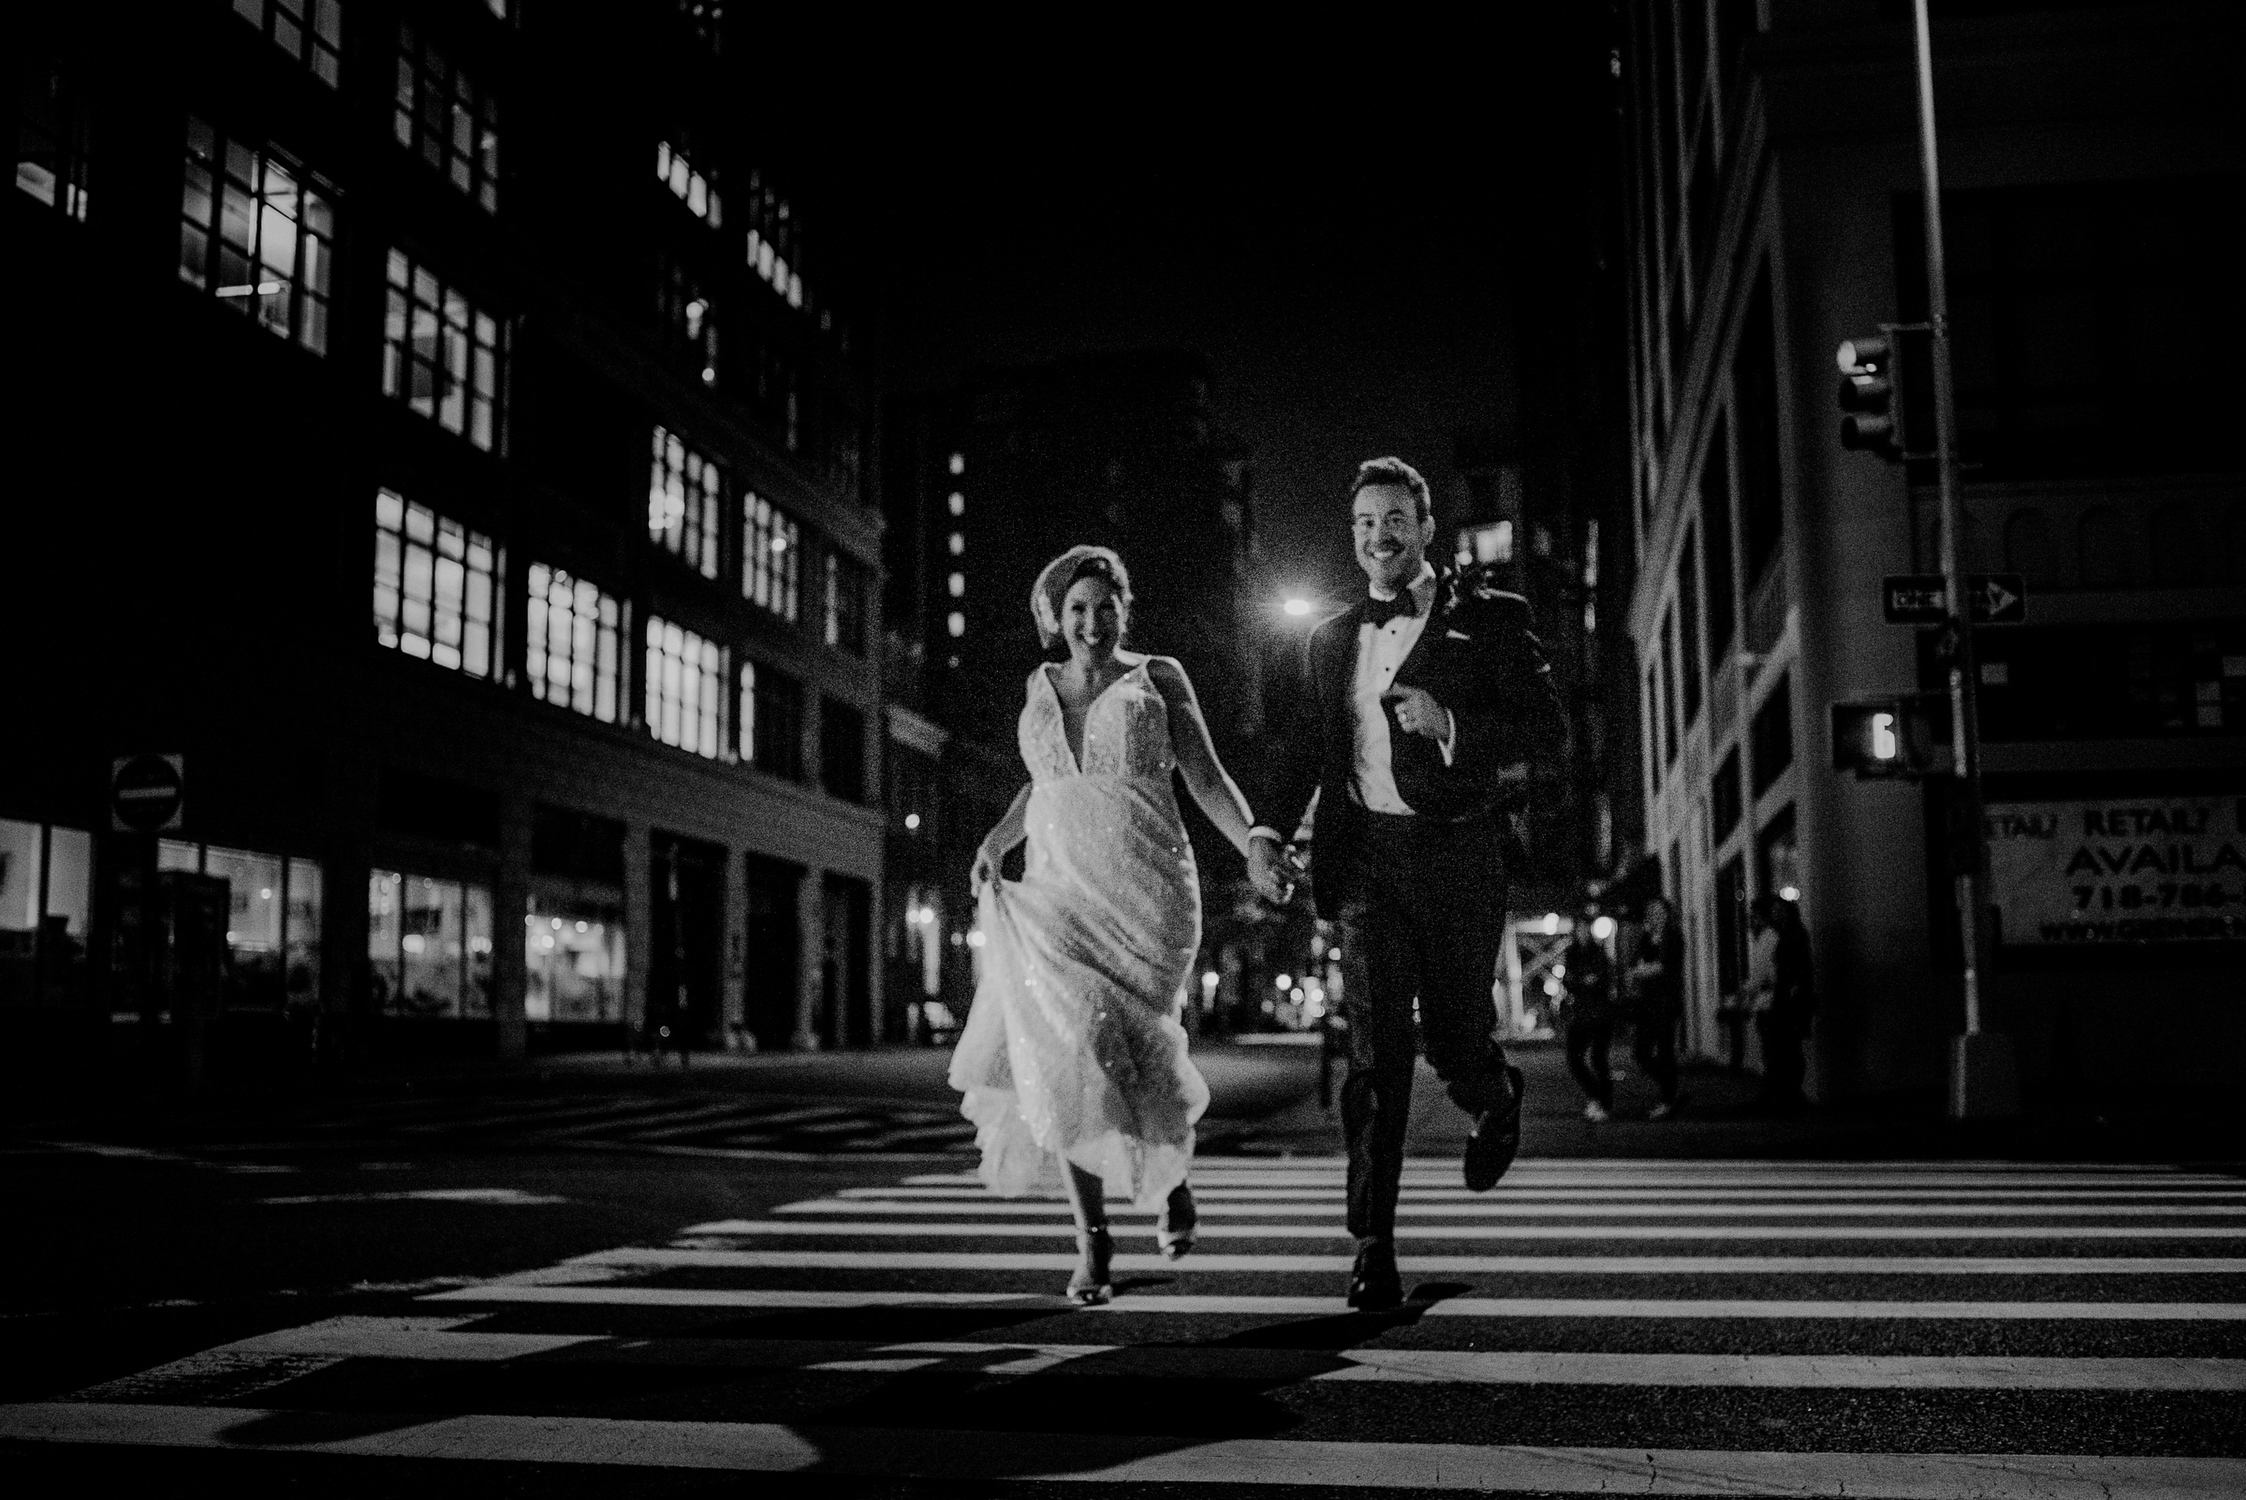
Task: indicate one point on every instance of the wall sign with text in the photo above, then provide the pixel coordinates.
(2124, 870)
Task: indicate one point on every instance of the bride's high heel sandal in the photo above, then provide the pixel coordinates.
(1090, 1285)
(1174, 1230)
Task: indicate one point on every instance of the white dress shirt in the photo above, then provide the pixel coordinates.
(1380, 651)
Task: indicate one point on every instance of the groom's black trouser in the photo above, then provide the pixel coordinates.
(1421, 914)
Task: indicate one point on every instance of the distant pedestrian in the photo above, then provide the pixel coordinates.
(1657, 979)
(1791, 1005)
(1588, 1017)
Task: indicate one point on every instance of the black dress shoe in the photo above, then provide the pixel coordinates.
(1374, 1285)
(1496, 1140)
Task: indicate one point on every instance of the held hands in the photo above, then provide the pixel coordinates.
(1272, 869)
(985, 873)
(1417, 712)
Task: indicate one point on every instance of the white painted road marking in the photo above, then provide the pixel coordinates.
(807, 1227)
(758, 1447)
(1501, 1207)
(503, 1197)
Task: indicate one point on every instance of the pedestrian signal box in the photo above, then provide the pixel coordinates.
(1893, 739)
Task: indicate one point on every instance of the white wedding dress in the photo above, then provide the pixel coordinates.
(1073, 1048)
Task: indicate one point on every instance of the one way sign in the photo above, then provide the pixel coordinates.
(1916, 598)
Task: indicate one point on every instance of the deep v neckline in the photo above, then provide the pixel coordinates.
(1075, 754)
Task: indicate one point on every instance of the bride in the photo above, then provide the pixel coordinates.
(1072, 1062)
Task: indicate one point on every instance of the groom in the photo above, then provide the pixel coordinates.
(1421, 696)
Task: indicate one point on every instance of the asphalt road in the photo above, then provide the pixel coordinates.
(369, 1310)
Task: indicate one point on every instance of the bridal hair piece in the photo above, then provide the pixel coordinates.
(1060, 575)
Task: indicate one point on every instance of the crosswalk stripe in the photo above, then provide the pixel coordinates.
(2088, 1198)
(1626, 1265)
(1499, 1207)
(809, 1226)
(1026, 1456)
(1454, 1307)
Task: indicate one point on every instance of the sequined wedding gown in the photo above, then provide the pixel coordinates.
(1073, 1047)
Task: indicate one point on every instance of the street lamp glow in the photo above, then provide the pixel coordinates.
(1297, 606)
(1602, 928)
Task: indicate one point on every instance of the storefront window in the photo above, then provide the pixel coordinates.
(573, 951)
(21, 850)
(428, 946)
(1779, 857)
(272, 923)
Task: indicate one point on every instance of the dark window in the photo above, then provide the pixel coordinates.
(1736, 25)
(689, 321)
(311, 31)
(1778, 856)
(258, 234)
(842, 750)
(441, 115)
(846, 603)
(441, 355)
(1774, 736)
(1671, 739)
(51, 139)
(576, 845)
(2110, 681)
(1723, 796)
(2097, 326)
(1755, 404)
(1715, 542)
(772, 720)
(1688, 607)
(418, 805)
(1731, 926)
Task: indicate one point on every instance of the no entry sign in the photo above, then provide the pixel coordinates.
(147, 792)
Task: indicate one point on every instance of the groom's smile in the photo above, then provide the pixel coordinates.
(1390, 534)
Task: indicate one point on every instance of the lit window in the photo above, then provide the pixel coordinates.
(52, 141)
(770, 542)
(956, 584)
(311, 31)
(958, 463)
(440, 114)
(958, 544)
(1492, 543)
(46, 908)
(688, 185)
(441, 356)
(685, 688)
(256, 235)
(685, 500)
(428, 946)
(846, 603)
(774, 243)
(688, 317)
(434, 587)
(958, 503)
(573, 958)
(272, 919)
(573, 638)
(771, 721)
(956, 623)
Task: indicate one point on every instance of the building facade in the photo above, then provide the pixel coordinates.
(2091, 159)
(480, 518)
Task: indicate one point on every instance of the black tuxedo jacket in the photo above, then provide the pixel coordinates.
(1477, 658)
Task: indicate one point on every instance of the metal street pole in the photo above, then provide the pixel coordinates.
(1982, 1080)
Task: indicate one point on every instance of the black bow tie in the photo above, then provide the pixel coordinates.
(1378, 612)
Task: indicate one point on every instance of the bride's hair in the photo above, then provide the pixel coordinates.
(1060, 575)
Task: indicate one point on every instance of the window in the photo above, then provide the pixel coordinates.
(272, 922)
(257, 235)
(52, 140)
(573, 959)
(771, 721)
(846, 603)
(1723, 796)
(435, 585)
(440, 114)
(46, 906)
(573, 643)
(842, 750)
(1688, 618)
(1773, 736)
(1491, 543)
(685, 499)
(1755, 383)
(443, 357)
(688, 319)
(1731, 926)
(685, 688)
(774, 242)
(1778, 857)
(690, 187)
(311, 31)
(428, 947)
(1672, 740)
(1715, 546)
(770, 542)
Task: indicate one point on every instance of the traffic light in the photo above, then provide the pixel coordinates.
(1870, 396)
(1900, 738)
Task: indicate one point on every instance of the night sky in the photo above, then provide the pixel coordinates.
(1333, 233)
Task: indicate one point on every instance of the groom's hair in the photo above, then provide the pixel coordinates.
(1393, 471)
